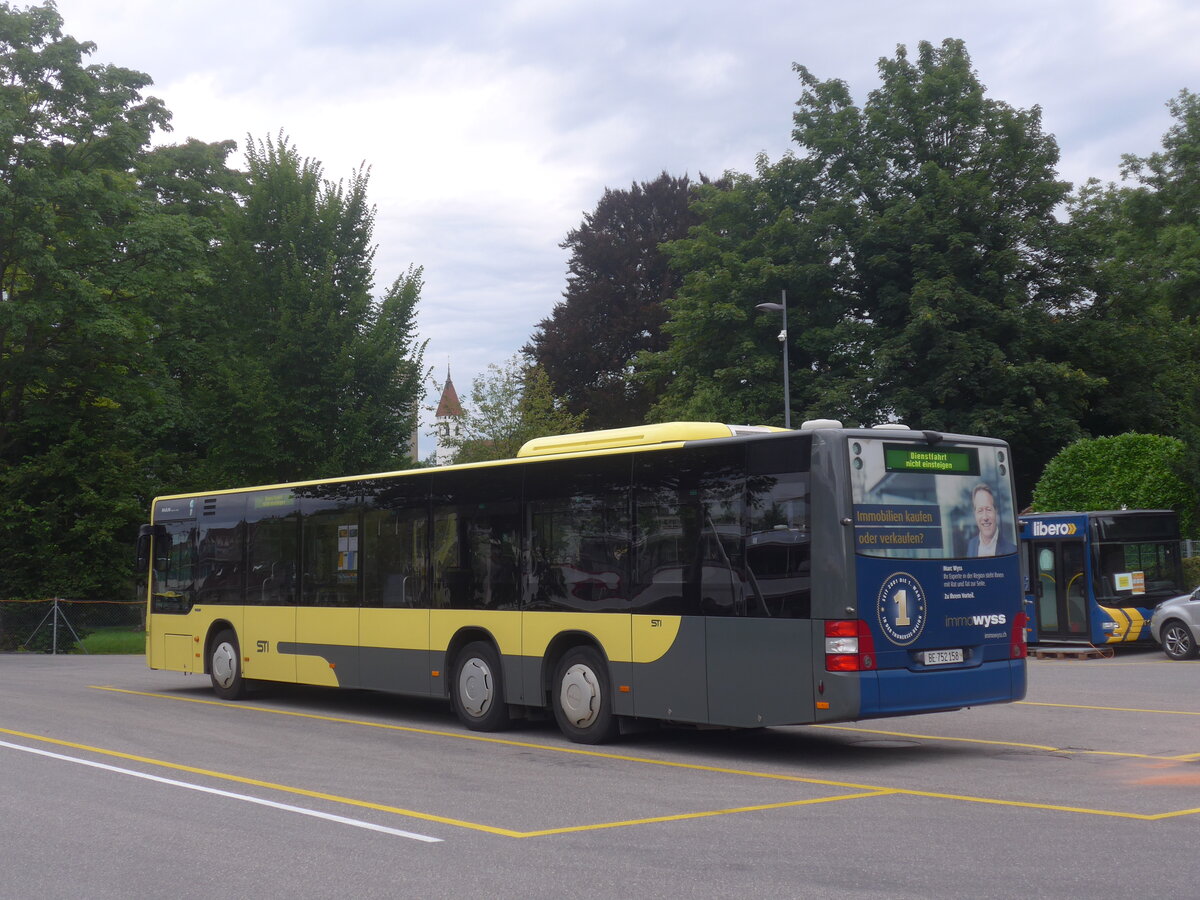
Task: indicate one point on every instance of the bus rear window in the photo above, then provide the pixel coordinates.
(920, 501)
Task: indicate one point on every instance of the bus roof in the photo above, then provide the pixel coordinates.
(636, 436)
(661, 436)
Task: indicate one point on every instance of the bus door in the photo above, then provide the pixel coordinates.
(268, 637)
(172, 595)
(1060, 590)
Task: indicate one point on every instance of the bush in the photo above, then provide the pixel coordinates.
(1191, 572)
(1128, 471)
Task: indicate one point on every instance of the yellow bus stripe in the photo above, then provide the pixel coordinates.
(1122, 624)
(1136, 621)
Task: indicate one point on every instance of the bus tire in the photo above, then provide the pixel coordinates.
(477, 688)
(1177, 640)
(225, 666)
(582, 697)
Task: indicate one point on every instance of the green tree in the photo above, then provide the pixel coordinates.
(759, 236)
(510, 404)
(916, 238)
(191, 194)
(312, 377)
(612, 308)
(1139, 245)
(1134, 471)
(78, 241)
(956, 248)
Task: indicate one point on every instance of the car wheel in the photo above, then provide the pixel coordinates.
(225, 667)
(1178, 641)
(477, 688)
(582, 698)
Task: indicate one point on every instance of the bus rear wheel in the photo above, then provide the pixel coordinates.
(477, 688)
(225, 667)
(1177, 641)
(582, 697)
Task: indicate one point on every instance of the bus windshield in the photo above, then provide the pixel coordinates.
(920, 501)
(1136, 558)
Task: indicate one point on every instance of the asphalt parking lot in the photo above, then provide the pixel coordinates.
(121, 781)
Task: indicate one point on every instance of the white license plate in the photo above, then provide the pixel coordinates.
(941, 657)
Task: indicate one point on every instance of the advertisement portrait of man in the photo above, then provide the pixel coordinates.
(988, 540)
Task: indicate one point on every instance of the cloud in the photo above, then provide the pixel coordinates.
(491, 128)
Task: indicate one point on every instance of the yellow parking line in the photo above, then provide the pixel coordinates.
(429, 817)
(1082, 810)
(240, 779)
(862, 790)
(1172, 815)
(882, 792)
(1164, 712)
(507, 742)
(965, 740)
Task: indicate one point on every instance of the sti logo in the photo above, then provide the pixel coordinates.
(1054, 529)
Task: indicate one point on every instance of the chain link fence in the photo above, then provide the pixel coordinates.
(59, 625)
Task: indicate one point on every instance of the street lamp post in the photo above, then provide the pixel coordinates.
(787, 393)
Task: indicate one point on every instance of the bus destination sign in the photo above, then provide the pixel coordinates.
(909, 458)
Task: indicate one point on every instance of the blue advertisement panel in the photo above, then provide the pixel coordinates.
(938, 574)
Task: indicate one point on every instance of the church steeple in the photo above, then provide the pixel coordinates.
(449, 405)
(447, 420)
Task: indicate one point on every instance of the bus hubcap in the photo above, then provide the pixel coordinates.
(579, 695)
(224, 665)
(475, 687)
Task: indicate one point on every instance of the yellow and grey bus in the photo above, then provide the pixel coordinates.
(691, 573)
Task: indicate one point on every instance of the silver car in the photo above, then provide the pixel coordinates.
(1176, 625)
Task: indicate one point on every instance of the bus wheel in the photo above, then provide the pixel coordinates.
(225, 666)
(582, 699)
(477, 688)
(1177, 640)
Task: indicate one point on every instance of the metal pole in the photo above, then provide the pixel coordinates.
(54, 630)
(787, 392)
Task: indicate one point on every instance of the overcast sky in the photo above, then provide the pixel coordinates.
(490, 128)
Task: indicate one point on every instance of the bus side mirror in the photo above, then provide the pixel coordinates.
(148, 535)
(145, 532)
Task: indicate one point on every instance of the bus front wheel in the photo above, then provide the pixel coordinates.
(477, 688)
(582, 697)
(225, 667)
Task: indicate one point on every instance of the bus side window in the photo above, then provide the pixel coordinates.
(329, 546)
(273, 544)
(779, 548)
(220, 551)
(395, 542)
(476, 550)
(174, 587)
(579, 534)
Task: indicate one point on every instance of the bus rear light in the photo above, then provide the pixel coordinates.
(849, 646)
(841, 662)
(1018, 649)
(841, 645)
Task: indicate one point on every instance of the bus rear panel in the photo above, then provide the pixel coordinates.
(937, 593)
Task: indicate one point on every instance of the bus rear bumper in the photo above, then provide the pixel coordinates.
(900, 692)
